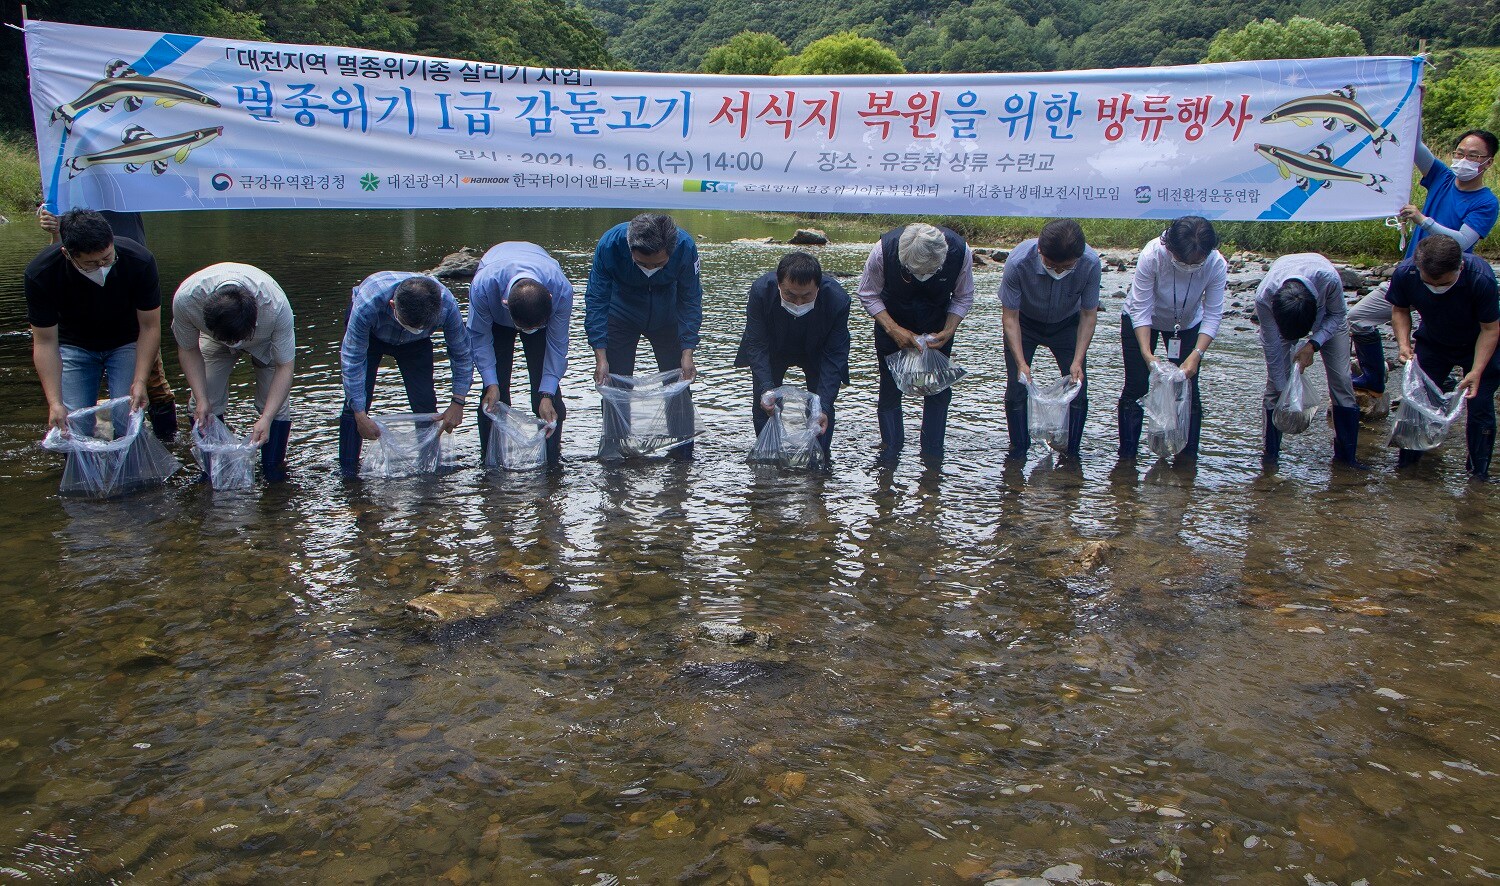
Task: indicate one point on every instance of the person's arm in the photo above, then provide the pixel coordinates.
(276, 394)
(596, 301)
(47, 356)
(353, 354)
(689, 305)
(47, 222)
(1140, 302)
(190, 358)
(1484, 350)
(757, 340)
(147, 347)
(1088, 319)
(962, 301)
(482, 338)
(460, 361)
(1213, 313)
(1401, 328)
(556, 361)
(1010, 321)
(835, 366)
(1330, 291)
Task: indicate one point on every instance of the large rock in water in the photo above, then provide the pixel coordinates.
(449, 606)
(459, 265)
(809, 237)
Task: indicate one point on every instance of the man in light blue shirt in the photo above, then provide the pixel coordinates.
(1049, 295)
(396, 313)
(521, 291)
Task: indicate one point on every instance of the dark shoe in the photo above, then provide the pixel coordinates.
(1132, 417)
(1481, 447)
(163, 418)
(273, 453)
(892, 435)
(1406, 458)
(1346, 437)
(1370, 353)
(1270, 454)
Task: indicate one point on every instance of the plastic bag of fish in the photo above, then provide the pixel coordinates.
(409, 444)
(108, 454)
(790, 436)
(1298, 404)
(226, 457)
(1047, 408)
(1425, 413)
(923, 370)
(518, 440)
(1169, 409)
(646, 415)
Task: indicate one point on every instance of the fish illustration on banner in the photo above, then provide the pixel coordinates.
(139, 147)
(1332, 109)
(1317, 166)
(122, 83)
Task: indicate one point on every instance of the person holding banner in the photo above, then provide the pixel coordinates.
(396, 313)
(1049, 295)
(796, 316)
(1302, 296)
(1456, 295)
(94, 305)
(644, 284)
(521, 292)
(918, 280)
(1459, 206)
(162, 410)
(219, 314)
(1177, 297)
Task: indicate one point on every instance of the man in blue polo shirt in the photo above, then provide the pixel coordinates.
(396, 313)
(1455, 294)
(1049, 295)
(521, 292)
(644, 284)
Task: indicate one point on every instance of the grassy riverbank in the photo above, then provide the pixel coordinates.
(20, 177)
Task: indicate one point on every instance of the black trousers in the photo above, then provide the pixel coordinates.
(414, 360)
(1479, 425)
(1061, 338)
(1138, 378)
(778, 375)
(534, 346)
(888, 403)
(620, 346)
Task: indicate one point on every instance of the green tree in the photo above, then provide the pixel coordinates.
(1466, 95)
(748, 52)
(842, 53)
(1300, 37)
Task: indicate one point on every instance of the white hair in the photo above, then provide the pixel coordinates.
(922, 249)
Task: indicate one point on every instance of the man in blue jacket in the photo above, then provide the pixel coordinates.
(644, 284)
(521, 292)
(797, 316)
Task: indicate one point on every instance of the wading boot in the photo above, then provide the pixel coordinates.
(1018, 430)
(1370, 353)
(892, 436)
(1131, 417)
(1481, 447)
(1406, 458)
(1270, 455)
(163, 418)
(1346, 437)
(273, 453)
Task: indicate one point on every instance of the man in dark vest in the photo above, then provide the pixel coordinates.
(919, 280)
(797, 316)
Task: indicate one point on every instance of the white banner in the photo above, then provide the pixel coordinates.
(133, 120)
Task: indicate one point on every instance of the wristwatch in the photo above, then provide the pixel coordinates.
(1315, 346)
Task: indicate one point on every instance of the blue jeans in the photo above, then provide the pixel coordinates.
(82, 370)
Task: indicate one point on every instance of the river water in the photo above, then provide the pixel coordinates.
(982, 673)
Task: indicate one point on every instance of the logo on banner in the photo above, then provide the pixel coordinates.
(221, 182)
(369, 182)
(1143, 194)
(694, 185)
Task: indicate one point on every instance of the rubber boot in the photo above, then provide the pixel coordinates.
(1018, 430)
(1270, 455)
(163, 418)
(1370, 353)
(273, 453)
(892, 435)
(1346, 437)
(1131, 417)
(1075, 432)
(1405, 458)
(1481, 447)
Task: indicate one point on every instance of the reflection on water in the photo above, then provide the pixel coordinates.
(977, 673)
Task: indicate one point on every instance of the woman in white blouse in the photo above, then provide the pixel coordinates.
(1177, 298)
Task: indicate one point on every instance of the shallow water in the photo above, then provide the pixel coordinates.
(977, 673)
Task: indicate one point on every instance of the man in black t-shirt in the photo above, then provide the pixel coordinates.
(94, 305)
(1460, 307)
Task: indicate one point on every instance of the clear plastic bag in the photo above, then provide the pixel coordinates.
(226, 457)
(923, 371)
(646, 415)
(518, 440)
(108, 454)
(409, 444)
(1298, 405)
(1047, 410)
(1169, 409)
(790, 437)
(1425, 413)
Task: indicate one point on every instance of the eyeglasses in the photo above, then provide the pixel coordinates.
(94, 264)
(1470, 155)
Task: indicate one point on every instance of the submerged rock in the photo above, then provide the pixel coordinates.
(454, 605)
(731, 634)
(460, 265)
(809, 237)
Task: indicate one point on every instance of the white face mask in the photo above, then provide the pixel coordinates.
(1439, 290)
(530, 331)
(97, 274)
(1465, 170)
(923, 278)
(1184, 267)
(797, 310)
(1056, 275)
(414, 330)
(649, 272)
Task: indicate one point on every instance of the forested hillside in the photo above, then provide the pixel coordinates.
(1023, 35)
